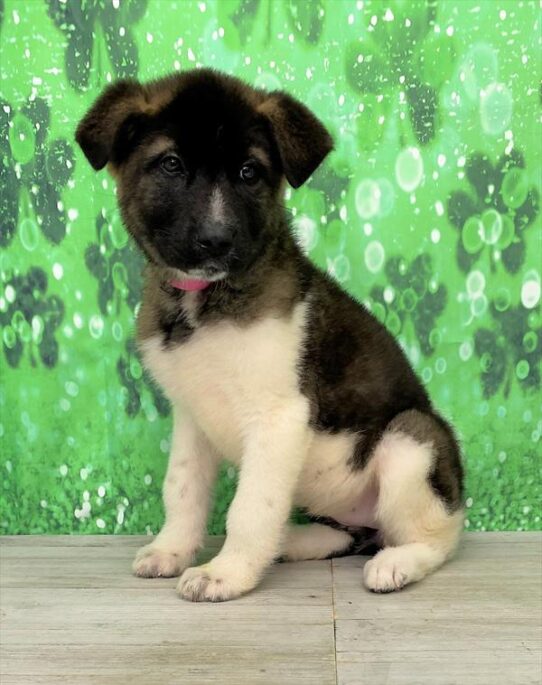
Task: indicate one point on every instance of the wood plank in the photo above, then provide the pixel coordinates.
(506, 584)
(448, 668)
(23, 545)
(109, 566)
(75, 614)
(476, 621)
(72, 613)
(176, 662)
(376, 640)
(80, 540)
(471, 540)
(115, 572)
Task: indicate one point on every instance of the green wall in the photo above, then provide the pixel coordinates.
(428, 211)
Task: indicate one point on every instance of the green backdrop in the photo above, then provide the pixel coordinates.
(428, 211)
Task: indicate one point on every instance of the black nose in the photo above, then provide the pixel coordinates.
(214, 239)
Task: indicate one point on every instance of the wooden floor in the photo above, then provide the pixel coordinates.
(72, 613)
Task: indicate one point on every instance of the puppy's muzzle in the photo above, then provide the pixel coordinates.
(213, 240)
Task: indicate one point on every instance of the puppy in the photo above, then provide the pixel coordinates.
(266, 361)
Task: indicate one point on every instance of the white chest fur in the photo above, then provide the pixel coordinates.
(226, 376)
(229, 377)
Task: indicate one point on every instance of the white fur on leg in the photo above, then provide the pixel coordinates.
(314, 541)
(420, 533)
(190, 474)
(394, 567)
(274, 453)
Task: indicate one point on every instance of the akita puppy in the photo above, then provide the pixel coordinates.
(266, 361)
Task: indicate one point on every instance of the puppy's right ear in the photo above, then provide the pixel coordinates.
(98, 129)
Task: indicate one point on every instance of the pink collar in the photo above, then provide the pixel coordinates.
(189, 284)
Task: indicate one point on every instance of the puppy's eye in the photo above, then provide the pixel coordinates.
(171, 164)
(249, 174)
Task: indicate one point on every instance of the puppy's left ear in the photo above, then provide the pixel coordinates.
(302, 140)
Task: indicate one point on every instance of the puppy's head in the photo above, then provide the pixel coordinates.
(199, 160)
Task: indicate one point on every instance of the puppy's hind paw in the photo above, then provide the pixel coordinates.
(384, 574)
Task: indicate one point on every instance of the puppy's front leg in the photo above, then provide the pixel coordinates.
(189, 478)
(275, 449)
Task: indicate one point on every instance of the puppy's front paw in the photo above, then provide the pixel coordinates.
(152, 561)
(213, 583)
(385, 573)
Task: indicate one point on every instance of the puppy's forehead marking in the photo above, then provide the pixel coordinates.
(217, 205)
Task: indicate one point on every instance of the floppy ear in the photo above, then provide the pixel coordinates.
(98, 129)
(302, 139)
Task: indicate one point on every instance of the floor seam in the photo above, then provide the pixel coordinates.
(334, 617)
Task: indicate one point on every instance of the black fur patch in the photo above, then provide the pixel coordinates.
(175, 328)
(365, 540)
(354, 372)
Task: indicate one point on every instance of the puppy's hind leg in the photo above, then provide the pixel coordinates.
(314, 541)
(419, 510)
(325, 540)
